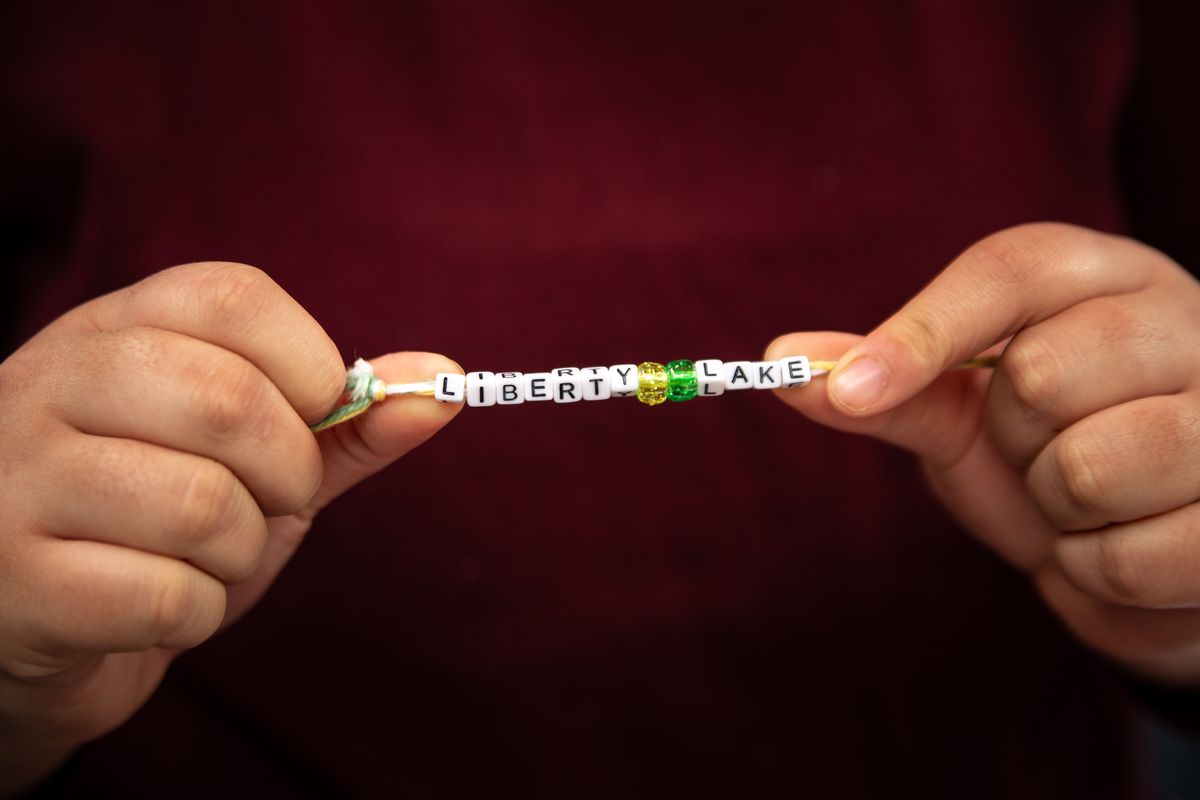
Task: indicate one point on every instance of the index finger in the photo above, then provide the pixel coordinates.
(241, 309)
(1006, 282)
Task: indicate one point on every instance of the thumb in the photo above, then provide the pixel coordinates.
(900, 373)
(942, 425)
(352, 452)
(1010, 280)
(371, 441)
(938, 424)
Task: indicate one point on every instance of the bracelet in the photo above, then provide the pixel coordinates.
(651, 382)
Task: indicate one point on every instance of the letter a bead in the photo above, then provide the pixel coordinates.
(739, 375)
(681, 380)
(652, 383)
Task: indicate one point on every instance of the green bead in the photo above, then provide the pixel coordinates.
(681, 380)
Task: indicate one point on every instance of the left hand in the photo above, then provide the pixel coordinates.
(1078, 458)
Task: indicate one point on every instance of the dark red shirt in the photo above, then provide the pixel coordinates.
(714, 598)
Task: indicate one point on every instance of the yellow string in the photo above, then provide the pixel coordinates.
(982, 362)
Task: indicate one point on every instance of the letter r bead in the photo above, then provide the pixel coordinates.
(566, 385)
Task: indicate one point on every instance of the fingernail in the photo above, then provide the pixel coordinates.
(860, 385)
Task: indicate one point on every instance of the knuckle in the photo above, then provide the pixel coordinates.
(1024, 254)
(1119, 324)
(329, 382)
(927, 338)
(208, 503)
(1176, 429)
(1007, 257)
(230, 294)
(1166, 432)
(1085, 476)
(298, 484)
(244, 555)
(232, 400)
(168, 606)
(141, 348)
(1034, 374)
(1119, 571)
(181, 610)
(238, 291)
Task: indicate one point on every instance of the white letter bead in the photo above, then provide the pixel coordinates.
(739, 375)
(710, 378)
(595, 383)
(537, 386)
(566, 385)
(795, 371)
(623, 380)
(449, 387)
(510, 388)
(767, 375)
(481, 389)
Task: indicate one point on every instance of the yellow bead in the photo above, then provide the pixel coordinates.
(652, 383)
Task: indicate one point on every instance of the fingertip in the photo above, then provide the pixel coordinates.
(404, 421)
(390, 429)
(875, 375)
(817, 346)
(782, 346)
(858, 383)
(328, 381)
(412, 365)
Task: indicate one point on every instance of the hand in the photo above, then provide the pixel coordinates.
(156, 473)
(1078, 459)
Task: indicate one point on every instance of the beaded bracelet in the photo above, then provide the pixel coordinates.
(651, 382)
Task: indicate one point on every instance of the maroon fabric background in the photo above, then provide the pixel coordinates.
(598, 600)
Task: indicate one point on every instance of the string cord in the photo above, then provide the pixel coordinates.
(364, 389)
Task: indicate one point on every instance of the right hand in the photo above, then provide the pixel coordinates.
(156, 473)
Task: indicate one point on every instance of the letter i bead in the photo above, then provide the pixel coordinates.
(652, 383)
(481, 389)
